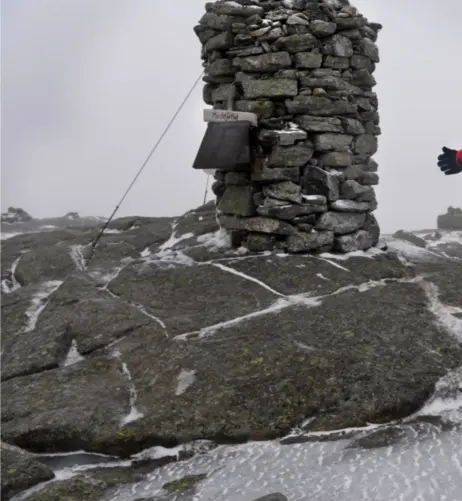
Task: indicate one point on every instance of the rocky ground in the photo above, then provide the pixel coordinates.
(167, 337)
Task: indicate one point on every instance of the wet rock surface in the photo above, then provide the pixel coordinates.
(191, 339)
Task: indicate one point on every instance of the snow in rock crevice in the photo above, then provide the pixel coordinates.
(39, 302)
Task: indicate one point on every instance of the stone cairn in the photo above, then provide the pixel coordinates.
(304, 67)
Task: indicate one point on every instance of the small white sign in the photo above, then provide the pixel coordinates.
(230, 116)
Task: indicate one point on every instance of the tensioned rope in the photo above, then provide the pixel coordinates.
(95, 242)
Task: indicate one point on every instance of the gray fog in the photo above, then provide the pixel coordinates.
(89, 85)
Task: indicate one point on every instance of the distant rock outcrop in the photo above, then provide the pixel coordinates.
(15, 215)
(452, 220)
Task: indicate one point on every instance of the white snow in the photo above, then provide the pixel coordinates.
(15, 285)
(246, 277)
(173, 240)
(218, 240)
(134, 413)
(7, 235)
(185, 380)
(320, 275)
(73, 356)
(39, 302)
(77, 256)
(443, 315)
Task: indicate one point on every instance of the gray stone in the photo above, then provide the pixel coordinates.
(369, 179)
(207, 93)
(216, 22)
(317, 181)
(341, 222)
(290, 136)
(322, 29)
(297, 43)
(352, 190)
(224, 92)
(330, 82)
(236, 9)
(298, 19)
(20, 471)
(291, 156)
(244, 52)
(319, 124)
(372, 227)
(359, 62)
(339, 46)
(338, 63)
(307, 242)
(308, 60)
(365, 144)
(262, 108)
(319, 106)
(284, 190)
(370, 166)
(369, 49)
(258, 224)
(273, 34)
(337, 159)
(350, 206)
(265, 63)
(332, 142)
(204, 34)
(411, 238)
(221, 41)
(271, 88)
(290, 211)
(259, 242)
(276, 174)
(360, 240)
(352, 126)
(237, 200)
(261, 32)
(292, 74)
(363, 78)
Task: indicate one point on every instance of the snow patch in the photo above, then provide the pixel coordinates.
(39, 302)
(173, 240)
(134, 414)
(73, 356)
(10, 285)
(217, 240)
(6, 236)
(185, 380)
(443, 315)
(77, 256)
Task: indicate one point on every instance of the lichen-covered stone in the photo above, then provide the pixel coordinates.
(291, 156)
(317, 181)
(270, 88)
(265, 63)
(237, 200)
(359, 240)
(341, 222)
(305, 242)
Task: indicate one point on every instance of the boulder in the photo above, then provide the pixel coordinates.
(20, 471)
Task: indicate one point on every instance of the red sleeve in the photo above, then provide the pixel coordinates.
(459, 158)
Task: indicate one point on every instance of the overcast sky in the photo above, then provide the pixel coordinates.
(89, 85)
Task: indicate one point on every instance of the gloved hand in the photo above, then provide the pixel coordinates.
(447, 162)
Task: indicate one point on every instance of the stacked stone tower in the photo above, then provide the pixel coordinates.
(305, 68)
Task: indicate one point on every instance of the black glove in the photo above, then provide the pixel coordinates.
(447, 162)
